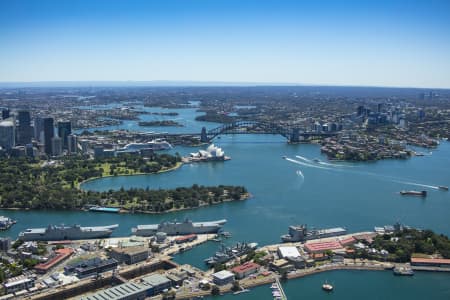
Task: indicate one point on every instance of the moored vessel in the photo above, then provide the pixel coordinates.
(58, 233)
(6, 222)
(228, 253)
(179, 228)
(403, 271)
(299, 233)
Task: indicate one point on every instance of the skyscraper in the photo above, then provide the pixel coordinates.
(49, 133)
(64, 130)
(24, 129)
(7, 134)
(72, 143)
(5, 113)
(39, 129)
(56, 146)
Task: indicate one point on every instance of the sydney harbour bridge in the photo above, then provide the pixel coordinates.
(293, 133)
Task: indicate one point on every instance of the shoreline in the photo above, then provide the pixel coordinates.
(177, 166)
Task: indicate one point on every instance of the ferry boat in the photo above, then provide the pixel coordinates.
(179, 228)
(403, 271)
(327, 287)
(104, 209)
(414, 193)
(59, 233)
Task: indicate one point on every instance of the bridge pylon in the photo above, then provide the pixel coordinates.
(204, 136)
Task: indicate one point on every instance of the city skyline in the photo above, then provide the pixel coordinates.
(350, 43)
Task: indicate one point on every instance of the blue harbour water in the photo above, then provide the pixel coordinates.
(289, 191)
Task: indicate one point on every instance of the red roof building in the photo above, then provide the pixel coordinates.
(316, 247)
(60, 255)
(185, 238)
(430, 262)
(245, 269)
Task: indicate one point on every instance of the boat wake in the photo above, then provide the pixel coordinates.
(300, 173)
(320, 162)
(418, 184)
(306, 164)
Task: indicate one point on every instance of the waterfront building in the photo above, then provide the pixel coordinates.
(59, 256)
(24, 131)
(156, 283)
(91, 267)
(7, 134)
(281, 266)
(186, 238)
(56, 146)
(223, 277)
(430, 262)
(17, 284)
(72, 143)
(288, 251)
(245, 269)
(48, 134)
(320, 247)
(64, 130)
(129, 290)
(130, 255)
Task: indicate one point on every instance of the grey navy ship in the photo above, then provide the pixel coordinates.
(228, 253)
(300, 233)
(179, 228)
(58, 233)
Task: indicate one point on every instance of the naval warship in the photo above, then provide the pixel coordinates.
(58, 233)
(228, 253)
(179, 228)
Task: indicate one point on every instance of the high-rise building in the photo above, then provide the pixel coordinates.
(56, 146)
(72, 143)
(5, 113)
(7, 134)
(24, 129)
(39, 129)
(64, 130)
(49, 133)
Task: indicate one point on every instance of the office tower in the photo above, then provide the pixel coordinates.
(49, 133)
(7, 134)
(64, 130)
(24, 129)
(72, 143)
(5, 113)
(39, 129)
(56, 146)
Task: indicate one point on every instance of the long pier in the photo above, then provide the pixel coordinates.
(280, 288)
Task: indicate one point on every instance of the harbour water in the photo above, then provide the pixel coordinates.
(296, 190)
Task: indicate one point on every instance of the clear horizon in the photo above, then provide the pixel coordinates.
(350, 43)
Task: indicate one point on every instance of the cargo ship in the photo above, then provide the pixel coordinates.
(179, 228)
(414, 193)
(59, 233)
(300, 233)
(226, 254)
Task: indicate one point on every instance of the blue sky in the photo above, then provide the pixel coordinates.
(374, 43)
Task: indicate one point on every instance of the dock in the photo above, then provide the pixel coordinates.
(280, 289)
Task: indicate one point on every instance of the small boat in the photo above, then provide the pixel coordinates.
(327, 287)
(316, 160)
(443, 188)
(284, 157)
(414, 193)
